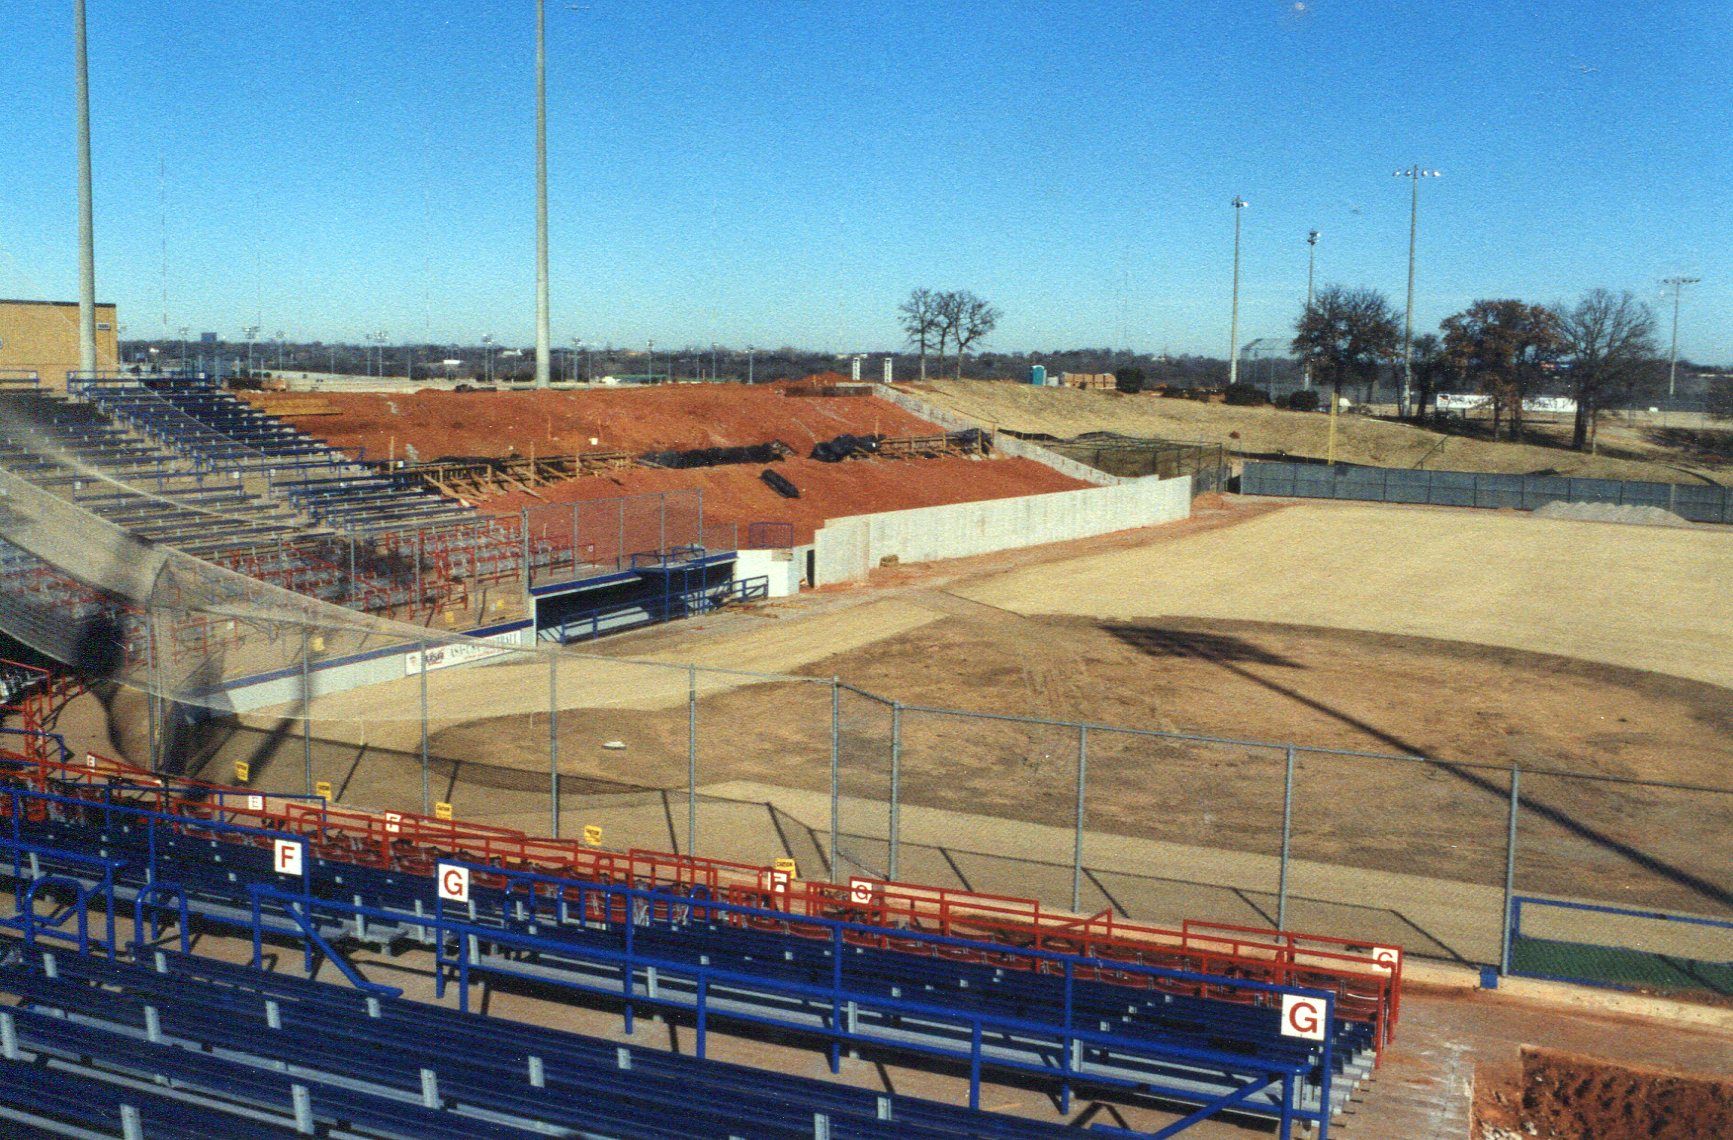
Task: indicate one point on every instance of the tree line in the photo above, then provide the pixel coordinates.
(1601, 351)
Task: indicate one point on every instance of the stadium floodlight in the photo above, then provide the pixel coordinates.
(86, 222)
(749, 351)
(1239, 204)
(1677, 284)
(543, 335)
(1414, 174)
(1311, 272)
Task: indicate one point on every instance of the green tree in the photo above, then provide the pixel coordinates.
(1431, 370)
(1346, 335)
(1505, 348)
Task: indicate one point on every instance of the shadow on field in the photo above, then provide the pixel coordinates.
(1152, 639)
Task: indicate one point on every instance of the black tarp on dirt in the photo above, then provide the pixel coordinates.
(845, 445)
(779, 484)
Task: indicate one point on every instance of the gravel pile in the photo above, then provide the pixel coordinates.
(1611, 512)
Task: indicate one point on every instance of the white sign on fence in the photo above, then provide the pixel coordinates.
(462, 653)
(1388, 958)
(453, 883)
(393, 823)
(287, 856)
(860, 891)
(255, 803)
(1303, 1017)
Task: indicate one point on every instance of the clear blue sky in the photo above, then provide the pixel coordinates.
(785, 172)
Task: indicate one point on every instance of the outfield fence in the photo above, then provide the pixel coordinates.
(1693, 502)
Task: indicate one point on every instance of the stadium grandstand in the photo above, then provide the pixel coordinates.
(162, 537)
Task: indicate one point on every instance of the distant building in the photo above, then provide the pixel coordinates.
(42, 337)
(207, 338)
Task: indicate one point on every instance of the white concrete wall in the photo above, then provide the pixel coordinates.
(847, 549)
(782, 567)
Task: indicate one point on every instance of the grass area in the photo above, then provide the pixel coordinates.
(1627, 451)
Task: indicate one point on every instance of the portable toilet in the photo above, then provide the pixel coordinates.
(1038, 375)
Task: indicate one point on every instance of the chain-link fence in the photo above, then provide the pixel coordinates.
(206, 672)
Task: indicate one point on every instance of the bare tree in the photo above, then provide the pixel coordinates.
(919, 316)
(1346, 334)
(971, 320)
(1610, 339)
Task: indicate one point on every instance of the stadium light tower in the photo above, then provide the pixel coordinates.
(1414, 174)
(1234, 319)
(1311, 268)
(543, 335)
(1677, 285)
(86, 221)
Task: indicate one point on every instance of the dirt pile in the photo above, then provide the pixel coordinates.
(1568, 1096)
(736, 494)
(438, 424)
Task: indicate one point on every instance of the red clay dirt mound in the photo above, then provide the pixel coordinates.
(635, 420)
(1567, 1096)
(736, 494)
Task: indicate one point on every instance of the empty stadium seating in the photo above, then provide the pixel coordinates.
(1191, 1036)
(257, 1052)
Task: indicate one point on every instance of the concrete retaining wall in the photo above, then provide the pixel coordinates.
(1005, 444)
(847, 549)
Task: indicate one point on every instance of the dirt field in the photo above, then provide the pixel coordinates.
(681, 416)
(1644, 597)
(736, 494)
(1627, 452)
(1568, 1096)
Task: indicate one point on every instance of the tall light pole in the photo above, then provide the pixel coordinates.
(1234, 319)
(86, 221)
(252, 332)
(542, 331)
(184, 331)
(1414, 174)
(749, 351)
(1678, 286)
(487, 358)
(1311, 267)
(578, 351)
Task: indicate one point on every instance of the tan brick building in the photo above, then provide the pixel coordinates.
(42, 337)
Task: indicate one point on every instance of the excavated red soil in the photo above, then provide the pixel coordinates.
(736, 494)
(1567, 1096)
(439, 424)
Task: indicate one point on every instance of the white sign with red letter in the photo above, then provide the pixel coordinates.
(453, 883)
(1302, 1017)
(1388, 958)
(286, 856)
(860, 892)
(392, 822)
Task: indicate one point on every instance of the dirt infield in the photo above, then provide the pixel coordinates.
(1643, 597)
(736, 494)
(680, 416)
(1626, 453)
(1569, 1096)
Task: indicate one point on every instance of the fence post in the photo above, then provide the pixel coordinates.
(1077, 842)
(524, 522)
(153, 689)
(1509, 870)
(553, 742)
(896, 831)
(307, 708)
(426, 774)
(692, 760)
(835, 771)
(1287, 833)
(574, 540)
(620, 550)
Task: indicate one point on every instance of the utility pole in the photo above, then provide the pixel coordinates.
(1234, 319)
(542, 330)
(1311, 266)
(1677, 284)
(1414, 174)
(86, 220)
(749, 351)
